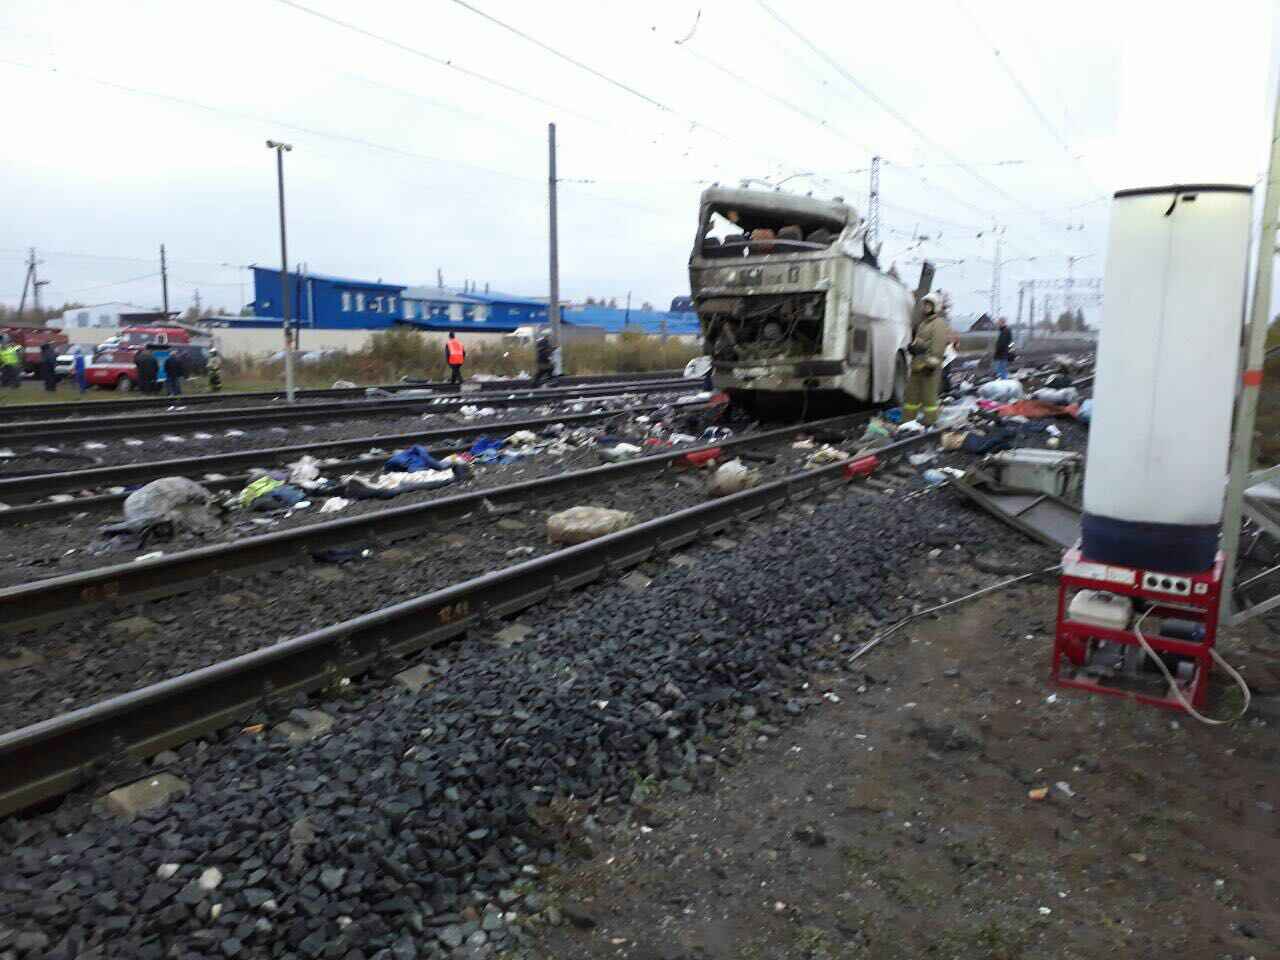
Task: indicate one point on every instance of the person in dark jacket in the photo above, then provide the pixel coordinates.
(147, 366)
(545, 356)
(175, 369)
(1004, 339)
(49, 366)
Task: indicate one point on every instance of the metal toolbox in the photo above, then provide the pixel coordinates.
(1057, 472)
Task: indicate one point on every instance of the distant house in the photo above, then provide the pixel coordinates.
(983, 323)
(109, 315)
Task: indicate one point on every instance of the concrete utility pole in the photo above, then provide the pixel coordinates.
(553, 302)
(280, 149)
(626, 319)
(164, 283)
(873, 202)
(1022, 289)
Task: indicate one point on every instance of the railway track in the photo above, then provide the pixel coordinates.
(134, 425)
(53, 757)
(22, 493)
(25, 607)
(10, 413)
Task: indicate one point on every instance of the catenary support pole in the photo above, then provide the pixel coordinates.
(280, 149)
(553, 303)
(1251, 377)
(164, 283)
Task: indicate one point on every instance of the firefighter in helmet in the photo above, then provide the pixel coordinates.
(928, 349)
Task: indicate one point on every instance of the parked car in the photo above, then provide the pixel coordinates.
(113, 367)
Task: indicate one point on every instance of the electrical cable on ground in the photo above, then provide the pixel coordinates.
(888, 632)
(1177, 691)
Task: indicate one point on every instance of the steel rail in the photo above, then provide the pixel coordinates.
(142, 424)
(57, 755)
(114, 407)
(44, 484)
(42, 602)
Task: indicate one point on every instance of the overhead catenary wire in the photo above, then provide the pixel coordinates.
(432, 58)
(888, 108)
(626, 88)
(265, 120)
(652, 101)
(1026, 94)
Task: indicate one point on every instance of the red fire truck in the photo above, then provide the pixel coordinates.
(112, 367)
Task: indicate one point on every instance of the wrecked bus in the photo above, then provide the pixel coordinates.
(792, 305)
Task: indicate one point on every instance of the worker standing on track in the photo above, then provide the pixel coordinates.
(455, 354)
(214, 369)
(927, 351)
(1004, 339)
(10, 364)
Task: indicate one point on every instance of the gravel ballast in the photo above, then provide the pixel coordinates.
(103, 652)
(421, 822)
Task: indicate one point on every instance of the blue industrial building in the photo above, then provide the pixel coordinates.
(323, 302)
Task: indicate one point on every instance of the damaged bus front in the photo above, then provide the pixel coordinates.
(791, 302)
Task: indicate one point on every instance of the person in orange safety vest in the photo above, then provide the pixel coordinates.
(454, 355)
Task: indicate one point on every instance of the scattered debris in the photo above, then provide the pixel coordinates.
(580, 524)
(732, 477)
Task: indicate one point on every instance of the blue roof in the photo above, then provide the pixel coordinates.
(329, 278)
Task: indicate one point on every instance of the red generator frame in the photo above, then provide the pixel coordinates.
(1193, 597)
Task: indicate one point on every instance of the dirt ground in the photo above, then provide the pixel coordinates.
(895, 821)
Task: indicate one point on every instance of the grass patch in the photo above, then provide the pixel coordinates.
(401, 352)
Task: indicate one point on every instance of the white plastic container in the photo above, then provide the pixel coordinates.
(1028, 468)
(1165, 378)
(1098, 608)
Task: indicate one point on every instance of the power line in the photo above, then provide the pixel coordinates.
(108, 256)
(432, 58)
(556, 53)
(113, 283)
(893, 111)
(1025, 93)
(695, 123)
(267, 120)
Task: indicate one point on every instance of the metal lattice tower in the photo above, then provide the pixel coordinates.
(873, 202)
(995, 275)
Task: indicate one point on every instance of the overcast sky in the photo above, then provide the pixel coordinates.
(136, 122)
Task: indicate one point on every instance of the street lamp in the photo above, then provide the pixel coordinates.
(280, 149)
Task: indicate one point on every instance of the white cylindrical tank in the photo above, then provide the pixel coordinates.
(1165, 380)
